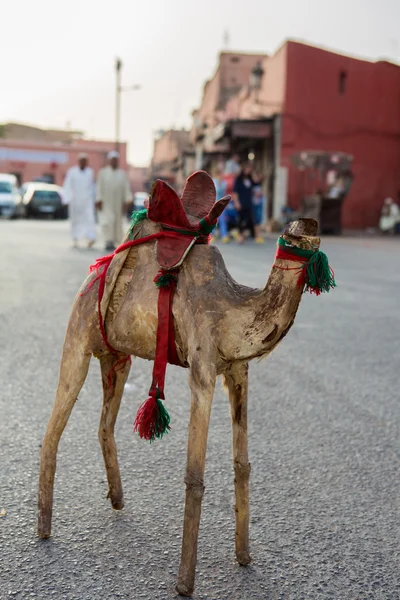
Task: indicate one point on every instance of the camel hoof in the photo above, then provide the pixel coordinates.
(243, 558)
(183, 589)
(43, 533)
(116, 498)
(44, 527)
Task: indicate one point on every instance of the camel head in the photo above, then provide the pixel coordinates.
(302, 234)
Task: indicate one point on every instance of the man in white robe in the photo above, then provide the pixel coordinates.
(390, 216)
(113, 194)
(79, 194)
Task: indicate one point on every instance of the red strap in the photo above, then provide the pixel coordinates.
(287, 255)
(161, 357)
(166, 347)
(173, 357)
(101, 267)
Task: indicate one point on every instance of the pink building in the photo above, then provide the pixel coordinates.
(32, 159)
(233, 72)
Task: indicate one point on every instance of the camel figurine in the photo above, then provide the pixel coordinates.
(218, 327)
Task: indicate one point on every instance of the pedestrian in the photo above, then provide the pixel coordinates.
(232, 166)
(220, 188)
(258, 207)
(79, 194)
(390, 216)
(113, 195)
(243, 199)
(397, 227)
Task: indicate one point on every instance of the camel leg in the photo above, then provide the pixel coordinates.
(202, 384)
(74, 367)
(236, 381)
(111, 402)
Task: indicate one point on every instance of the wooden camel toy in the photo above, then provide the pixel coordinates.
(196, 316)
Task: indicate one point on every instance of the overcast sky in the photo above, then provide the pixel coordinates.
(57, 58)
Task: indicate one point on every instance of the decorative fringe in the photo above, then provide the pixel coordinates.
(317, 275)
(152, 419)
(205, 227)
(136, 217)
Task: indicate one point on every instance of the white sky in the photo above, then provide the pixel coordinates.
(57, 58)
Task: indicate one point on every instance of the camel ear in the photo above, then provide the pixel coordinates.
(218, 209)
(165, 206)
(198, 197)
(161, 190)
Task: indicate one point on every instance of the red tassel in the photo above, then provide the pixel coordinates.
(152, 419)
(143, 424)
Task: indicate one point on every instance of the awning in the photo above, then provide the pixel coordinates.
(317, 159)
(251, 129)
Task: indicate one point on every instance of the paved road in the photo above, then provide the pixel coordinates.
(324, 445)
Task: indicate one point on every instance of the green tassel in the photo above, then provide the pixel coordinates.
(137, 217)
(319, 277)
(164, 280)
(162, 421)
(205, 227)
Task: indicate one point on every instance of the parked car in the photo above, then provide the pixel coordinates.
(9, 196)
(138, 202)
(43, 199)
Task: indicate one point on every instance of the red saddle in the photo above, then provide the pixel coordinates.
(191, 214)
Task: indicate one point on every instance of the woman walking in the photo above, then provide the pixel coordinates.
(220, 188)
(258, 207)
(243, 199)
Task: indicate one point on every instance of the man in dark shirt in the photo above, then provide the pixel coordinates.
(243, 198)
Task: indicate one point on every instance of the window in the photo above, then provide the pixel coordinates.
(45, 195)
(342, 82)
(235, 59)
(5, 187)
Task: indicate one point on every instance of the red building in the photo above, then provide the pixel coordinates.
(334, 102)
(315, 99)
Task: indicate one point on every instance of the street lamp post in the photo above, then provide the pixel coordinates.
(118, 90)
(255, 79)
(118, 67)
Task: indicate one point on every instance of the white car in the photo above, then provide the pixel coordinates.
(10, 196)
(139, 199)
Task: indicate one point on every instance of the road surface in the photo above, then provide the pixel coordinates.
(323, 435)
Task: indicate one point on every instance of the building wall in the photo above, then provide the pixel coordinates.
(233, 72)
(270, 99)
(363, 120)
(168, 147)
(21, 131)
(31, 159)
(138, 177)
(210, 101)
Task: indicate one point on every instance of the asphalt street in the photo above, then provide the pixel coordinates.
(323, 440)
